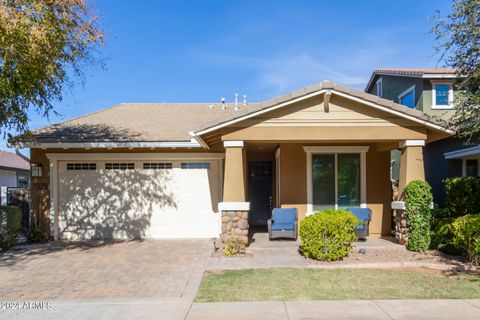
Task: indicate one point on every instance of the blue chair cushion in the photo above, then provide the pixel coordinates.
(282, 226)
(286, 215)
(360, 227)
(361, 213)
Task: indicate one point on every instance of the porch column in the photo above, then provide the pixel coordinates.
(234, 185)
(234, 208)
(411, 168)
(411, 163)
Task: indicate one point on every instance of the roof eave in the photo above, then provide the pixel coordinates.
(112, 145)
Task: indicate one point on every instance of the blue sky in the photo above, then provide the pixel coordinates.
(200, 51)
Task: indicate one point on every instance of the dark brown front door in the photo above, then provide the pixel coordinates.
(259, 192)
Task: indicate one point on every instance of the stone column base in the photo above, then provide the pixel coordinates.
(234, 225)
(400, 220)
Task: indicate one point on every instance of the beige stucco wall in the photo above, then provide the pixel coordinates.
(293, 180)
(411, 167)
(234, 189)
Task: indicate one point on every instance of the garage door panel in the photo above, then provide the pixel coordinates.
(138, 203)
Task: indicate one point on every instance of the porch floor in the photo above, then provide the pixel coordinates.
(259, 240)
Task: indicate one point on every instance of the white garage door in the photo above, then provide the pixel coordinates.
(132, 199)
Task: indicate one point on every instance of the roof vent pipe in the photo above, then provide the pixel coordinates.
(244, 99)
(236, 102)
(224, 105)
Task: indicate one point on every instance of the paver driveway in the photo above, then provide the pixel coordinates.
(97, 269)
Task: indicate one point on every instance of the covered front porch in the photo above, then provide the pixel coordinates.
(323, 147)
(312, 176)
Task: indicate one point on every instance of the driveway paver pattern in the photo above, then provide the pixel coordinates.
(103, 269)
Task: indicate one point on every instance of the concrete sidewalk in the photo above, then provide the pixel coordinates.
(365, 309)
(289, 310)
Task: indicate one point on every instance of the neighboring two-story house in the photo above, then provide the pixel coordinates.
(431, 91)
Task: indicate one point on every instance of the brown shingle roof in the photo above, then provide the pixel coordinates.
(156, 122)
(13, 161)
(135, 122)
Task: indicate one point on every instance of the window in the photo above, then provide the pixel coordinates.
(336, 179)
(407, 98)
(195, 165)
(379, 87)
(157, 165)
(471, 168)
(81, 166)
(442, 95)
(22, 181)
(36, 170)
(119, 166)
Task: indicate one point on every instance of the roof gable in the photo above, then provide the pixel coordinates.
(330, 88)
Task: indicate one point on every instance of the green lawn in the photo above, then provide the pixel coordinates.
(338, 284)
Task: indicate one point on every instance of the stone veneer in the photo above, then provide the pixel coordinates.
(234, 224)
(400, 220)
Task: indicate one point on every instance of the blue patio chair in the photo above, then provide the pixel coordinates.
(283, 224)
(364, 215)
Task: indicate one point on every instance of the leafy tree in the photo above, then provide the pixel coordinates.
(459, 48)
(44, 45)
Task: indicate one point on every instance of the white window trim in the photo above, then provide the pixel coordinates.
(434, 95)
(362, 150)
(404, 93)
(379, 84)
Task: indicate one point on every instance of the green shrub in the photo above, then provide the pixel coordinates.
(37, 234)
(442, 236)
(462, 196)
(466, 234)
(10, 225)
(418, 200)
(14, 218)
(327, 235)
(234, 246)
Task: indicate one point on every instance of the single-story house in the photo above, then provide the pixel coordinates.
(14, 170)
(189, 170)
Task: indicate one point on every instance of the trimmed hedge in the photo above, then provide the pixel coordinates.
(418, 200)
(462, 196)
(327, 235)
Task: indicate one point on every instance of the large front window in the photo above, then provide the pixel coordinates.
(336, 177)
(336, 181)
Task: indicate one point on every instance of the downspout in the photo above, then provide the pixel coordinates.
(21, 155)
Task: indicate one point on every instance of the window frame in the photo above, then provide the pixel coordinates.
(362, 150)
(434, 95)
(464, 166)
(183, 165)
(128, 166)
(26, 179)
(81, 166)
(379, 84)
(157, 165)
(406, 92)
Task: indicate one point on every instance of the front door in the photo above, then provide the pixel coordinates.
(259, 192)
